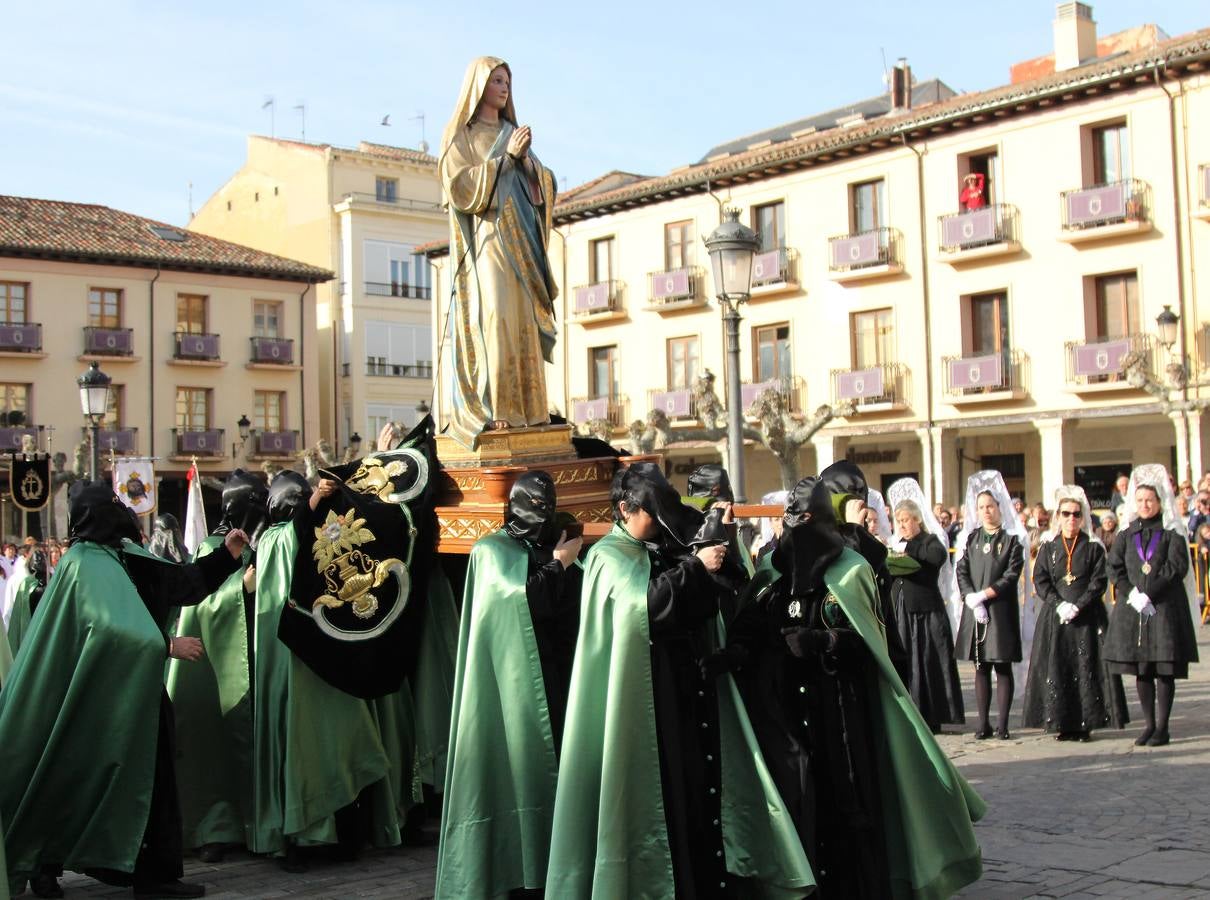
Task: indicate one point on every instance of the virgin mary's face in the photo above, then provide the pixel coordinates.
(495, 95)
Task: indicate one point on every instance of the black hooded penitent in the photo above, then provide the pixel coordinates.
(166, 541)
(711, 480)
(245, 504)
(96, 514)
(287, 493)
(643, 484)
(531, 509)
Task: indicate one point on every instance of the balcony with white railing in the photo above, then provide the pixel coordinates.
(1095, 366)
(613, 410)
(24, 339)
(875, 389)
(868, 254)
(675, 290)
(1118, 209)
(978, 234)
(986, 377)
(597, 302)
(774, 272)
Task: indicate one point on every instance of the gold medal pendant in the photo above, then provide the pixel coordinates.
(1069, 579)
(1146, 567)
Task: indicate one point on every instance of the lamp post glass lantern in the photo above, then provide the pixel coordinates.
(732, 247)
(1167, 322)
(94, 402)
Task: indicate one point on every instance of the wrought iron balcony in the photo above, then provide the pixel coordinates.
(1121, 203)
(199, 441)
(196, 346)
(398, 289)
(119, 441)
(378, 366)
(23, 338)
(793, 391)
(675, 288)
(599, 301)
(10, 437)
(272, 351)
(987, 227)
(109, 341)
(774, 269)
(990, 376)
(277, 443)
(872, 389)
(613, 410)
(865, 254)
(1099, 361)
(675, 403)
(393, 200)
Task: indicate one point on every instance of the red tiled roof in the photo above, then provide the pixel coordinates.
(85, 232)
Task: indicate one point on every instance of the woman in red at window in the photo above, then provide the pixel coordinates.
(972, 196)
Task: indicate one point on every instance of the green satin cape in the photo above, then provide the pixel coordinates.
(500, 783)
(432, 686)
(212, 701)
(78, 720)
(609, 833)
(18, 623)
(929, 807)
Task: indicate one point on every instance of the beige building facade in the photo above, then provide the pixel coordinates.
(361, 212)
(991, 336)
(195, 334)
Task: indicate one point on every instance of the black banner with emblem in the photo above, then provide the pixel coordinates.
(360, 585)
(29, 481)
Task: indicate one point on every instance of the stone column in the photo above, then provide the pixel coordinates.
(825, 450)
(1056, 457)
(1188, 428)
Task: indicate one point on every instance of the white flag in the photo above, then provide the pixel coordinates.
(195, 513)
(134, 483)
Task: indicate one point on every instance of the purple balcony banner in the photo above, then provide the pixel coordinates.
(978, 227)
(278, 442)
(975, 372)
(1103, 358)
(675, 404)
(671, 285)
(1097, 204)
(587, 410)
(766, 267)
(201, 441)
(1205, 185)
(856, 250)
(860, 384)
(10, 438)
(109, 340)
(19, 337)
(592, 297)
(272, 350)
(201, 345)
(749, 392)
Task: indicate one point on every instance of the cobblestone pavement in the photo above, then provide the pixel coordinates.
(1103, 819)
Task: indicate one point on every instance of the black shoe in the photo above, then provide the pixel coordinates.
(1142, 739)
(211, 853)
(175, 888)
(1065, 736)
(1159, 739)
(984, 733)
(294, 862)
(1003, 735)
(45, 886)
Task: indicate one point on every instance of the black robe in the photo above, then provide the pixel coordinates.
(1000, 639)
(682, 604)
(553, 596)
(1163, 644)
(924, 631)
(1068, 689)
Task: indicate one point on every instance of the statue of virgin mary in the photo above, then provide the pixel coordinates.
(500, 325)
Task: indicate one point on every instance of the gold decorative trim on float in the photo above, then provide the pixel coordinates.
(508, 446)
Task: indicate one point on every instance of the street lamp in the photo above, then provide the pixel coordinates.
(94, 402)
(732, 247)
(355, 443)
(245, 429)
(1167, 322)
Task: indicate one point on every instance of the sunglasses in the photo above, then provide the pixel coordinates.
(1071, 514)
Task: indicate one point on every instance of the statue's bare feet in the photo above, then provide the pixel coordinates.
(497, 425)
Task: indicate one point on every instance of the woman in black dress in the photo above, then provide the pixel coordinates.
(1067, 690)
(990, 561)
(1151, 633)
(920, 616)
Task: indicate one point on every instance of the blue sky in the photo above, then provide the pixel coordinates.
(126, 102)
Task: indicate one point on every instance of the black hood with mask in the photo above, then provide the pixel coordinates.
(811, 540)
(844, 477)
(96, 514)
(166, 540)
(531, 510)
(682, 527)
(710, 480)
(845, 480)
(245, 505)
(38, 565)
(288, 492)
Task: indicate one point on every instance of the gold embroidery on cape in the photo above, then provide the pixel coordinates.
(372, 477)
(348, 573)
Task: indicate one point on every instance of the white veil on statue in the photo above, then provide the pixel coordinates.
(947, 580)
(1066, 493)
(876, 504)
(992, 482)
(1155, 476)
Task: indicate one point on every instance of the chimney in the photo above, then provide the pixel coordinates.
(901, 86)
(1075, 35)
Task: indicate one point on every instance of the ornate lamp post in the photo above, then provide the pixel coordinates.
(732, 247)
(245, 429)
(355, 443)
(94, 401)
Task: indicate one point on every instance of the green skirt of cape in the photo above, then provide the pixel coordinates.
(18, 623)
(609, 837)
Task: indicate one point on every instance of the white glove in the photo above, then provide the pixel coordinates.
(975, 599)
(981, 615)
(1138, 601)
(1148, 608)
(1067, 611)
(899, 545)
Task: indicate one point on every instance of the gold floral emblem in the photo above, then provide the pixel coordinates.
(376, 476)
(349, 574)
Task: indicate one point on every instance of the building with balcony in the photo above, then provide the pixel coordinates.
(362, 212)
(181, 322)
